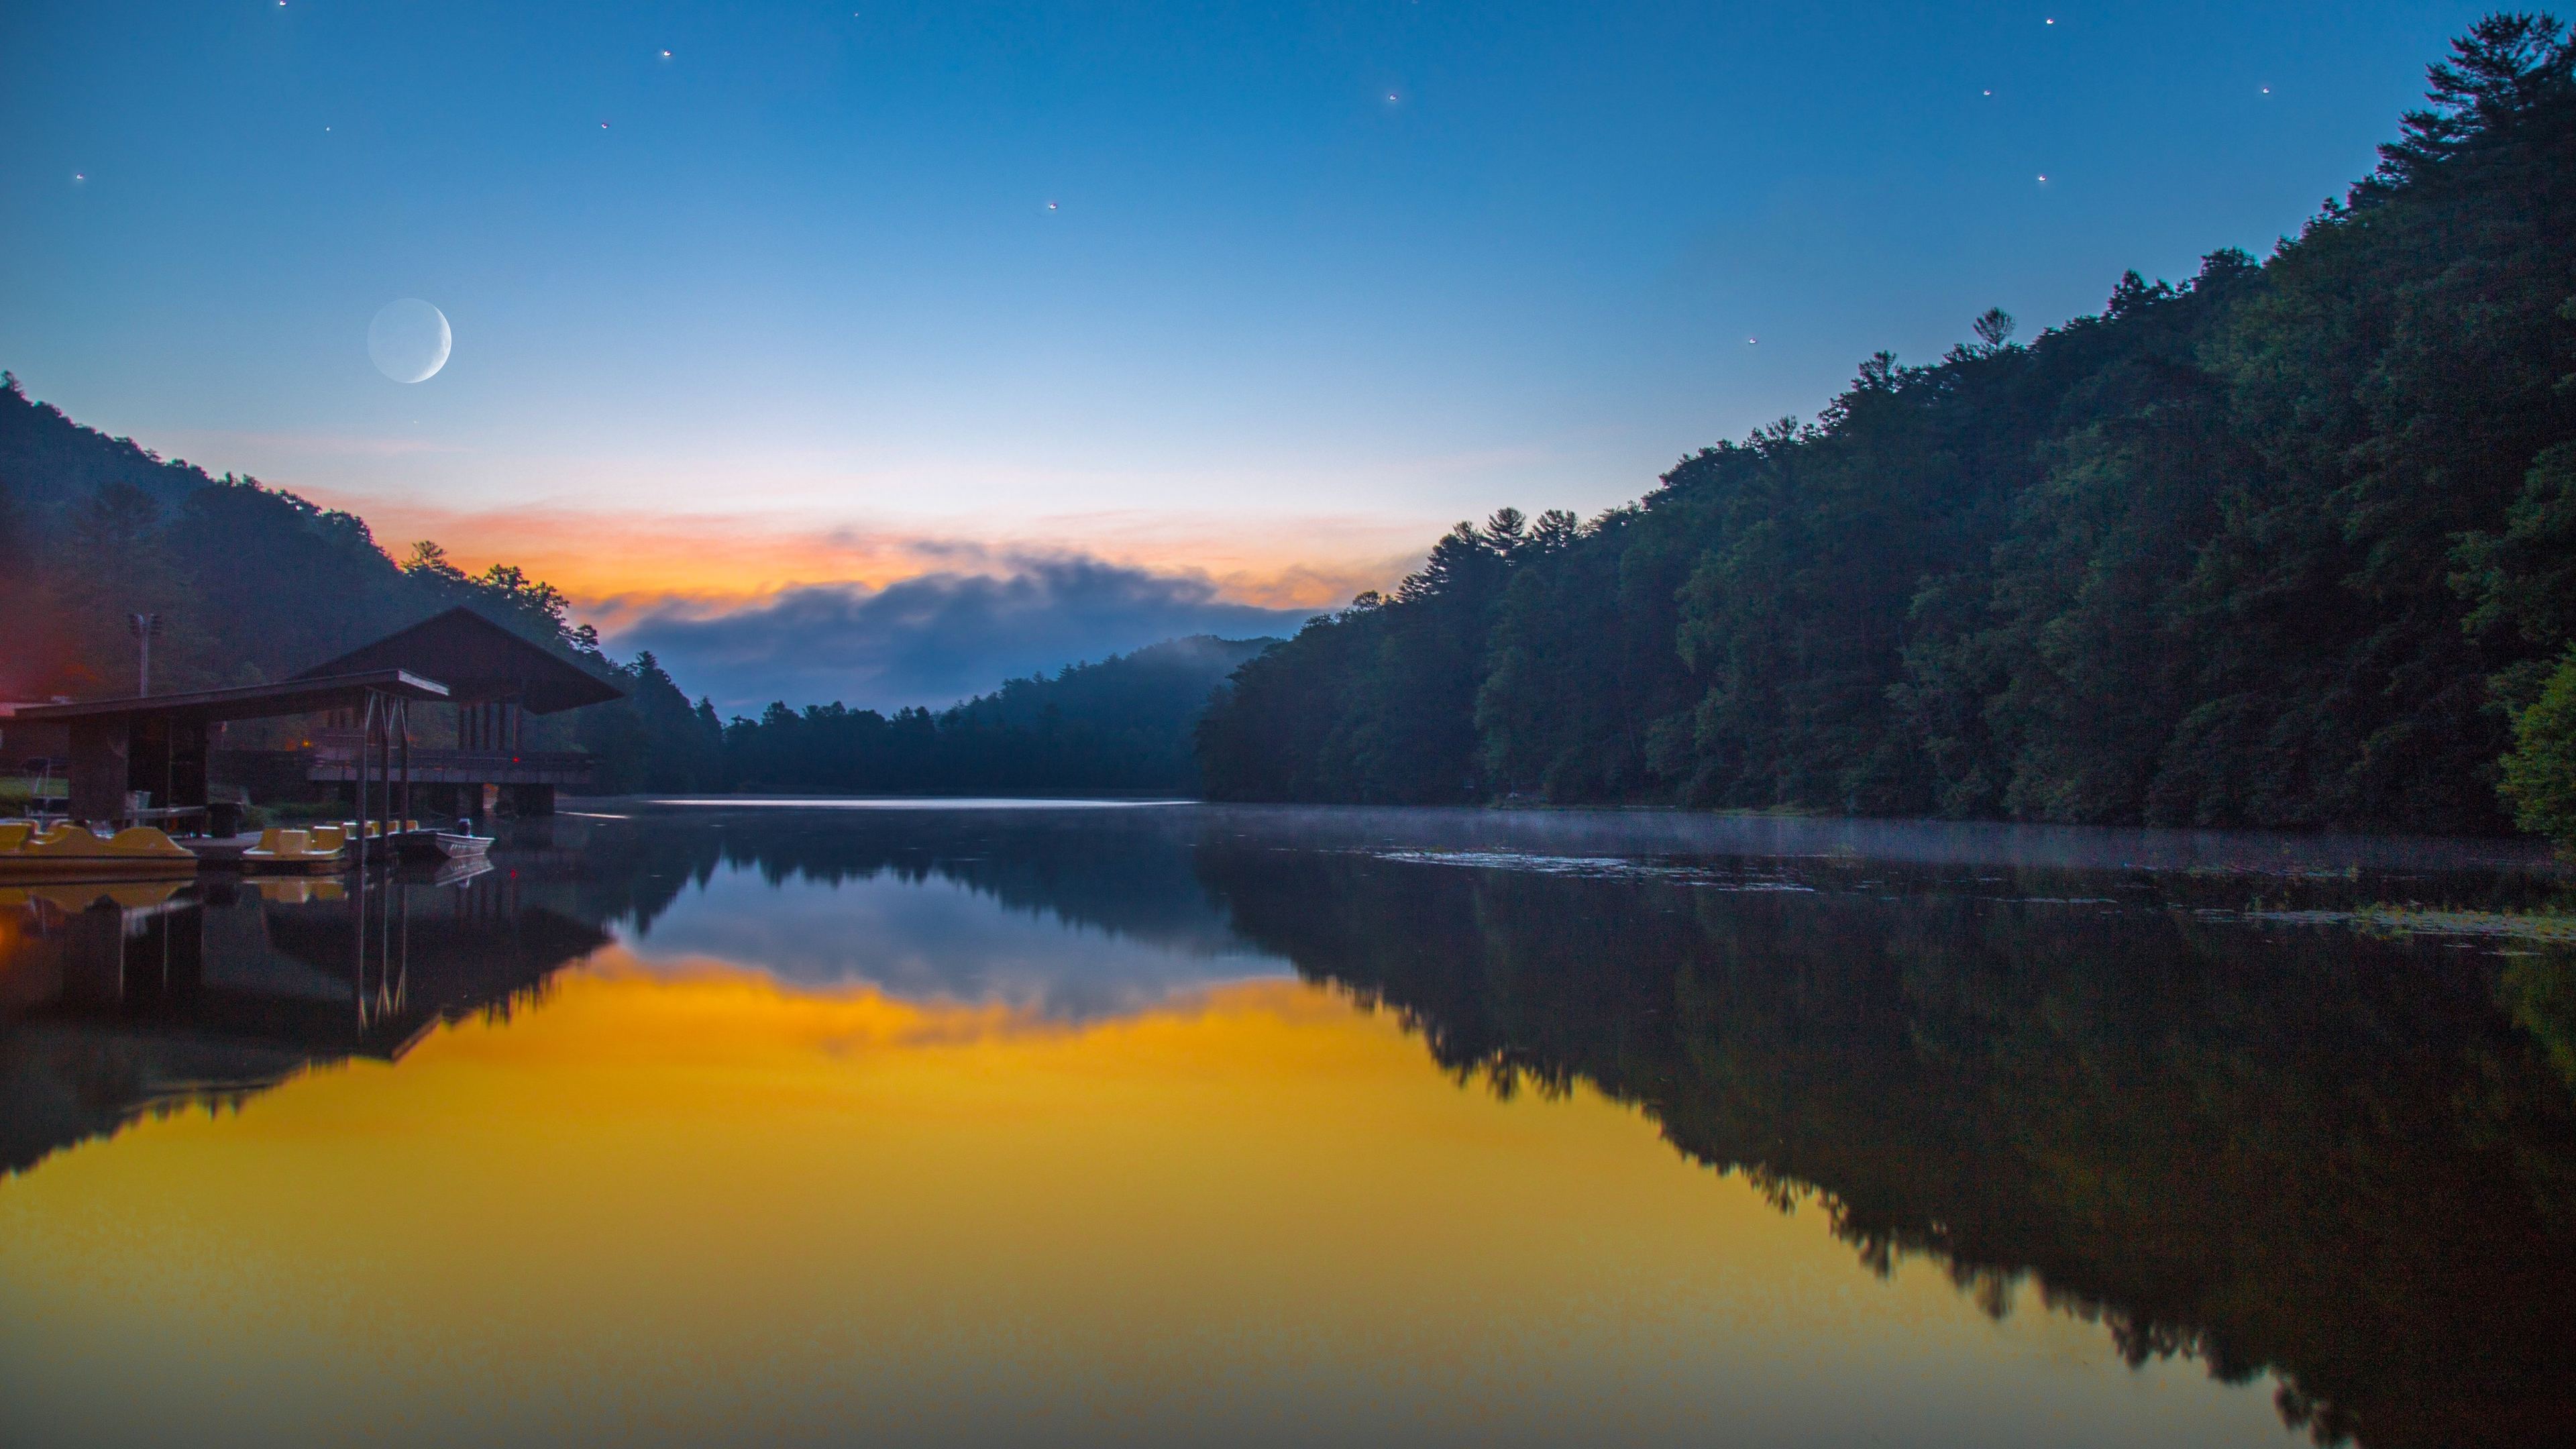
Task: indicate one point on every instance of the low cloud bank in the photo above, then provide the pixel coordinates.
(935, 638)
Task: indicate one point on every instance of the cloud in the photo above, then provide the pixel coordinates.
(937, 637)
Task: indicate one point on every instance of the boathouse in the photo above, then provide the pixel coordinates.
(150, 757)
(495, 680)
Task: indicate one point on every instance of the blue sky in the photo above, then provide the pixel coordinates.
(1314, 282)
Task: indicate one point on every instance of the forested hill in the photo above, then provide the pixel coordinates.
(252, 583)
(2282, 545)
(1121, 726)
(48, 462)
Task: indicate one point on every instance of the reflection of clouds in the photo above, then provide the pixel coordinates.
(937, 939)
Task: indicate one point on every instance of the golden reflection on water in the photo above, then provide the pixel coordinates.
(679, 1208)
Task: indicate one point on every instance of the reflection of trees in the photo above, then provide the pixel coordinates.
(2540, 990)
(2292, 1149)
(213, 996)
(61, 1085)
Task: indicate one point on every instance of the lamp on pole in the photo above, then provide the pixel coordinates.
(144, 627)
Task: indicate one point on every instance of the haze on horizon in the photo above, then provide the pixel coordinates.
(797, 338)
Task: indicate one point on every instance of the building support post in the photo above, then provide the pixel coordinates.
(366, 737)
(402, 712)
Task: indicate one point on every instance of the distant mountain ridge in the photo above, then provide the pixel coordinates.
(1123, 725)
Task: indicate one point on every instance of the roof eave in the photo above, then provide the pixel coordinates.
(291, 696)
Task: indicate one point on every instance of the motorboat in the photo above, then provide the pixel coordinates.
(460, 843)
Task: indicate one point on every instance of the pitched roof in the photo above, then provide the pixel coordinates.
(479, 661)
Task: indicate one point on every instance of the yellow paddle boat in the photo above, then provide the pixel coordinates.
(323, 848)
(71, 852)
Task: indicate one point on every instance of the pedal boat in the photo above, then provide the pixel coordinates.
(71, 852)
(322, 848)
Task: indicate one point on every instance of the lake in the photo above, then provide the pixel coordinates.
(1052, 1123)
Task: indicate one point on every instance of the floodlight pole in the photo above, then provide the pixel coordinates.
(143, 627)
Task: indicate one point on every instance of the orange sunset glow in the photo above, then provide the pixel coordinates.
(739, 1212)
(615, 565)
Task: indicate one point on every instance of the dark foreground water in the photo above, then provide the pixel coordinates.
(692, 1124)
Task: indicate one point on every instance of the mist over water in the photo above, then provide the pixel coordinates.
(1045, 1122)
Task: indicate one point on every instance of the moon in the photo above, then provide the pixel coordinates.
(409, 340)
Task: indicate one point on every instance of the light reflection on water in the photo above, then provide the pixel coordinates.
(1182, 1125)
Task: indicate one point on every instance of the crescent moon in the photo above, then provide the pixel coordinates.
(409, 340)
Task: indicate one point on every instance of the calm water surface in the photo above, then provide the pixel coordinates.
(705, 1123)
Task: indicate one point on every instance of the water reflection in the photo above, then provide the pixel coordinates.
(2295, 1149)
(2164, 1101)
(130, 999)
(1070, 913)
